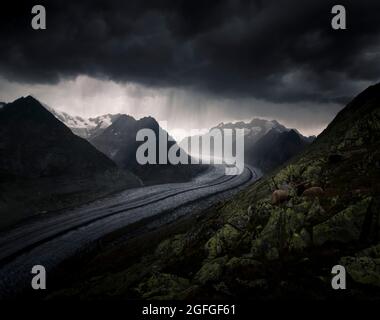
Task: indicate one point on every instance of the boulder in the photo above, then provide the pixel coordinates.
(344, 227)
(211, 271)
(244, 266)
(363, 270)
(224, 240)
(171, 247)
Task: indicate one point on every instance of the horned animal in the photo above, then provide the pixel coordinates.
(313, 192)
(280, 196)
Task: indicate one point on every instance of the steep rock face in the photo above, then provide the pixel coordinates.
(118, 142)
(44, 166)
(251, 248)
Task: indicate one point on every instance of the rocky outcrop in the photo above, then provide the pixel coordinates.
(364, 268)
(344, 227)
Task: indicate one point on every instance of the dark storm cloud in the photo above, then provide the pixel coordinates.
(281, 51)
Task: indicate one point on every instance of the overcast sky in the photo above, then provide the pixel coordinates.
(192, 63)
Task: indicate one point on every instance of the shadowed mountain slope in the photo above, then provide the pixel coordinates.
(267, 144)
(42, 161)
(274, 149)
(119, 143)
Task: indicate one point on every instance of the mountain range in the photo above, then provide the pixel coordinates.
(267, 143)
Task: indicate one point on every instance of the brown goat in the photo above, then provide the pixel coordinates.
(313, 192)
(280, 196)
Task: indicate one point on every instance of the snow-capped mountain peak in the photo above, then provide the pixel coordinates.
(84, 127)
